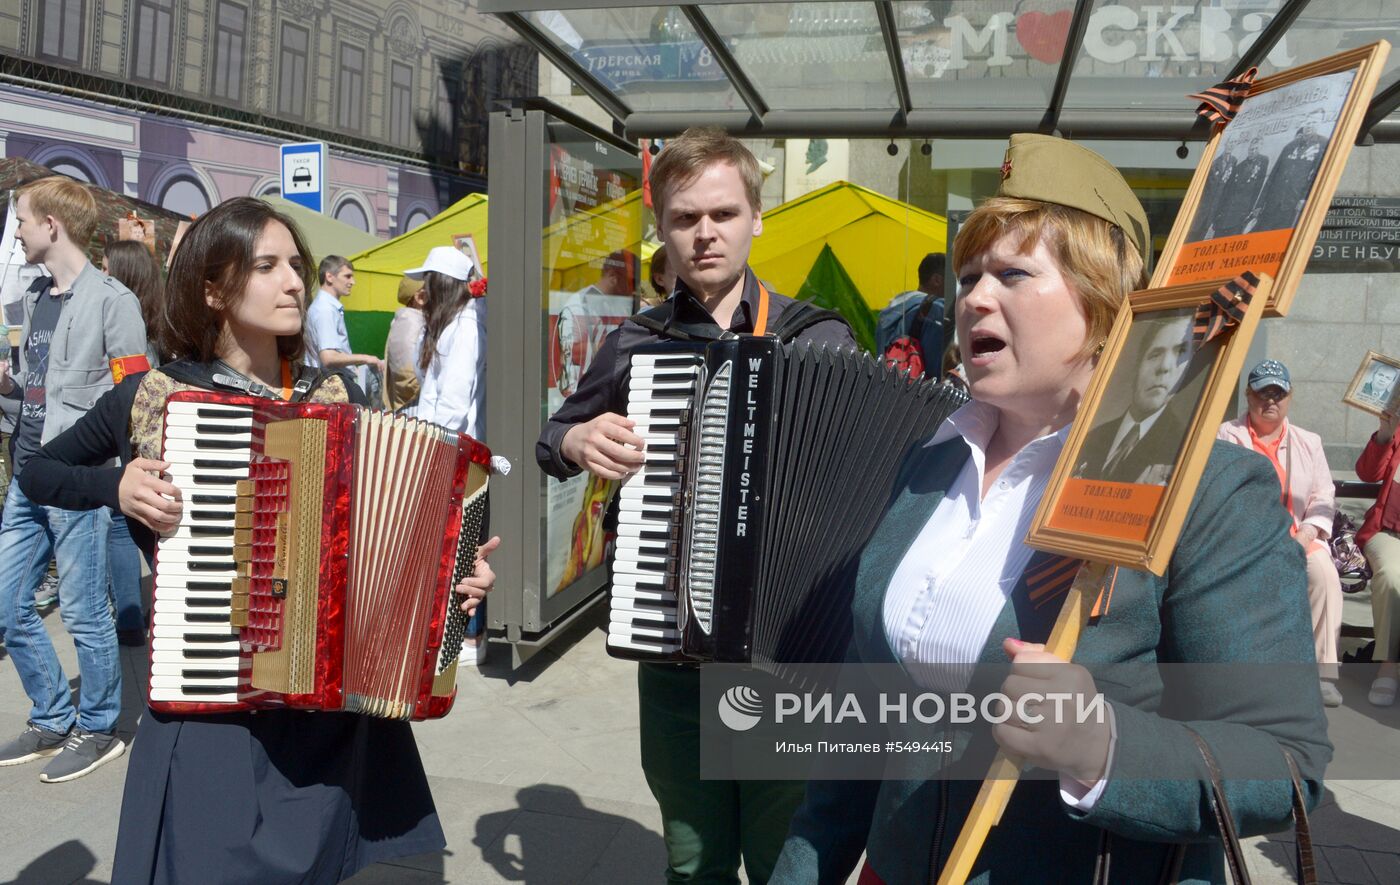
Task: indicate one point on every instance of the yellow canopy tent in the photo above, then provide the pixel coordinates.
(878, 240)
(378, 270)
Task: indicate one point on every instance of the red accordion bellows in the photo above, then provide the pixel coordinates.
(314, 564)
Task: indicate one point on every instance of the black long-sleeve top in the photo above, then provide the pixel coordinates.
(603, 387)
(67, 474)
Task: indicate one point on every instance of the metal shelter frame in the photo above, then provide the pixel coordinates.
(760, 118)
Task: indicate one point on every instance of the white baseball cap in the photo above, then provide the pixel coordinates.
(447, 261)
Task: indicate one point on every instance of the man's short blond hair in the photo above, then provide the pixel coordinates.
(692, 152)
(69, 202)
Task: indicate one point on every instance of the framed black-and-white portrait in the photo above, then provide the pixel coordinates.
(1375, 387)
(1265, 180)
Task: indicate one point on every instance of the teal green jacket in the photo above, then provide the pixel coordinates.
(1235, 591)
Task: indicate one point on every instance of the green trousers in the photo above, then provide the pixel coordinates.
(708, 825)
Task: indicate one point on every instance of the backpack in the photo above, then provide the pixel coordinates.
(907, 351)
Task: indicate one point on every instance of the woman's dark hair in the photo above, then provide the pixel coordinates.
(219, 249)
(658, 270)
(132, 265)
(444, 298)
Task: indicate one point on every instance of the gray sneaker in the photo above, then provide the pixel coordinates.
(33, 743)
(82, 752)
(46, 596)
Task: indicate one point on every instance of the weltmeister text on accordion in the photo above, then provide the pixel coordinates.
(767, 466)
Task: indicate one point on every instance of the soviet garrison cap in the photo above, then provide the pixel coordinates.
(1053, 170)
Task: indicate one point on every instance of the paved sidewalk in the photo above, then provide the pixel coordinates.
(537, 780)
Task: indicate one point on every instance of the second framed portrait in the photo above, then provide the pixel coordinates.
(1129, 469)
(1264, 182)
(1375, 387)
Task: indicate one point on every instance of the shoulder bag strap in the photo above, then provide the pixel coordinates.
(1303, 856)
(1220, 809)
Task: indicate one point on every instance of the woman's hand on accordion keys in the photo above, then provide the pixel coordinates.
(605, 446)
(147, 498)
(482, 579)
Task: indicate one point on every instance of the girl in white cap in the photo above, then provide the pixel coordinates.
(452, 365)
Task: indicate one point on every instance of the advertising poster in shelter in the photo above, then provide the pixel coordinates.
(590, 275)
(1141, 425)
(1260, 179)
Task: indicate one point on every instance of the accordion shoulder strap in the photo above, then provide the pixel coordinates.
(796, 319)
(800, 317)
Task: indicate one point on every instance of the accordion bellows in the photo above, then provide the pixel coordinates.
(314, 564)
(767, 468)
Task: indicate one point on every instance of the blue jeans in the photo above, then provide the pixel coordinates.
(476, 624)
(29, 536)
(124, 559)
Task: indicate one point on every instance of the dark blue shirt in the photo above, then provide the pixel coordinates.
(30, 427)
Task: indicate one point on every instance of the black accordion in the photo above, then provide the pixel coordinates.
(768, 466)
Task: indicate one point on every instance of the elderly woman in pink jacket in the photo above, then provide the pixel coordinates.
(1307, 492)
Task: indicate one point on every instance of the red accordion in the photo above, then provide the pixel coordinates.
(314, 562)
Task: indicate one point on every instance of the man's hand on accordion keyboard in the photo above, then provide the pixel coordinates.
(601, 446)
(482, 579)
(149, 499)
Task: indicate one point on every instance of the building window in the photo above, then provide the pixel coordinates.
(151, 40)
(401, 103)
(416, 218)
(185, 196)
(350, 106)
(72, 168)
(351, 213)
(61, 30)
(291, 81)
(230, 27)
(445, 105)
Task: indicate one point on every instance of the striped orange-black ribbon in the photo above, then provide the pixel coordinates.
(1225, 308)
(1221, 102)
(1050, 579)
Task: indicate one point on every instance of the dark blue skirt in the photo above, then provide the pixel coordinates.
(271, 797)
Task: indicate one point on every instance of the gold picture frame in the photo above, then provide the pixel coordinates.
(1139, 443)
(1363, 392)
(1272, 160)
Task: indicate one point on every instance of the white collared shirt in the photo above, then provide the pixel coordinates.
(946, 594)
(952, 583)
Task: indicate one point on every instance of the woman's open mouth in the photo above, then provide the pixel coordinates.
(985, 348)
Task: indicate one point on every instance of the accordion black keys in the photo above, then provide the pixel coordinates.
(768, 466)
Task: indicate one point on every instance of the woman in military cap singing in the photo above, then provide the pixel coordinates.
(1042, 269)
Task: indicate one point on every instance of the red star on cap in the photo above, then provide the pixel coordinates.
(1005, 170)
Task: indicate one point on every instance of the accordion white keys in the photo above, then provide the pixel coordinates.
(314, 562)
(768, 466)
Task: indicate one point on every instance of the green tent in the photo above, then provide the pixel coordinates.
(828, 285)
(324, 235)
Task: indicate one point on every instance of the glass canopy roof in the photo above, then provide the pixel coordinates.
(946, 68)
